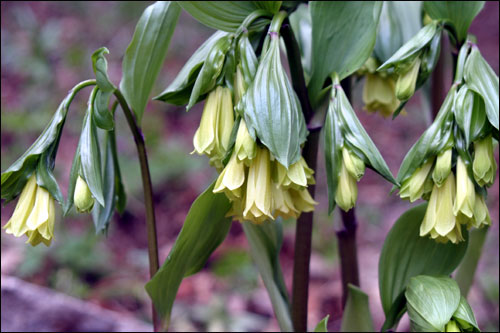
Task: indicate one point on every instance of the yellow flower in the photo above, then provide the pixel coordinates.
(245, 147)
(302, 200)
(283, 203)
(414, 186)
(484, 165)
(442, 168)
(239, 85)
(379, 94)
(259, 189)
(83, 199)
(405, 85)
(439, 219)
(231, 179)
(213, 135)
(34, 214)
(354, 165)
(481, 213)
(347, 189)
(466, 195)
(452, 327)
(298, 175)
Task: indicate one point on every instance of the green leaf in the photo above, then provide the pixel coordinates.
(356, 316)
(145, 54)
(102, 215)
(465, 316)
(45, 177)
(90, 157)
(322, 325)
(248, 59)
(272, 110)
(405, 254)
(15, 177)
(399, 22)
(265, 243)
(481, 78)
(470, 113)
(121, 195)
(100, 66)
(271, 6)
(300, 20)
(102, 116)
(343, 37)
(459, 14)
(431, 301)
(73, 175)
(211, 69)
(436, 138)
(179, 90)
(358, 140)
(204, 229)
(223, 15)
(413, 46)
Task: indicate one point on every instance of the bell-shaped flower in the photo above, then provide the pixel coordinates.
(258, 203)
(283, 203)
(439, 219)
(244, 146)
(442, 168)
(354, 165)
(481, 213)
(231, 179)
(484, 165)
(83, 199)
(413, 187)
(405, 85)
(302, 200)
(298, 175)
(34, 214)
(466, 194)
(347, 189)
(379, 94)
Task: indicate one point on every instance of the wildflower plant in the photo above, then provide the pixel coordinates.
(260, 128)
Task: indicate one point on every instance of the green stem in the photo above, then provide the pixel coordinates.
(148, 192)
(303, 232)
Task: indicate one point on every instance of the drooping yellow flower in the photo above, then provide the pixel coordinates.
(481, 213)
(231, 179)
(83, 199)
(405, 85)
(347, 189)
(298, 175)
(239, 85)
(244, 146)
(258, 203)
(354, 165)
(302, 200)
(484, 165)
(466, 195)
(379, 94)
(443, 167)
(452, 327)
(414, 186)
(283, 203)
(439, 219)
(34, 214)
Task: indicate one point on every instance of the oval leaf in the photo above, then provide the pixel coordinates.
(145, 54)
(465, 316)
(356, 316)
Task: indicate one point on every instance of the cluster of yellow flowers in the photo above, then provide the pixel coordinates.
(259, 187)
(34, 215)
(453, 199)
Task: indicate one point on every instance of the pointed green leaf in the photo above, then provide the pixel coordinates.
(481, 78)
(265, 243)
(459, 14)
(223, 15)
(431, 302)
(470, 113)
(145, 54)
(248, 59)
(322, 325)
(271, 6)
(343, 37)
(73, 175)
(405, 254)
(465, 316)
(102, 116)
(300, 20)
(272, 110)
(204, 229)
(356, 316)
(45, 177)
(179, 90)
(121, 195)
(100, 66)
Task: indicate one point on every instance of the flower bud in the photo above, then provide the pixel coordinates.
(413, 187)
(484, 165)
(481, 213)
(405, 85)
(245, 147)
(239, 85)
(83, 199)
(442, 168)
(347, 189)
(452, 327)
(379, 94)
(354, 165)
(466, 194)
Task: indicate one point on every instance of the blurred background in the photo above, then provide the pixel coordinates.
(45, 51)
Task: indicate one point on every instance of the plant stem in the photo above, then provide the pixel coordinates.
(347, 236)
(148, 192)
(303, 231)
